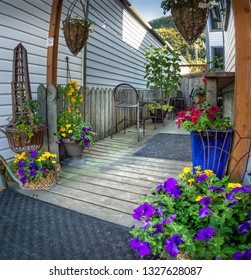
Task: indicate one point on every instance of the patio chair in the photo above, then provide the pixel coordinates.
(126, 98)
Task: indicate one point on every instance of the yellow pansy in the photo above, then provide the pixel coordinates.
(234, 185)
(53, 161)
(70, 131)
(181, 175)
(199, 173)
(198, 168)
(62, 129)
(190, 181)
(53, 155)
(68, 125)
(198, 198)
(187, 170)
(63, 134)
(209, 172)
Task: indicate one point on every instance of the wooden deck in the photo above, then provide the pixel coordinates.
(110, 182)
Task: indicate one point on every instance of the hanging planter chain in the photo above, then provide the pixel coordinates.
(76, 30)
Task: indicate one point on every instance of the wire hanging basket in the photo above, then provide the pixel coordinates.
(76, 29)
(190, 19)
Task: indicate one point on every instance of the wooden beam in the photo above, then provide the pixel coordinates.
(242, 102)
(52, 50)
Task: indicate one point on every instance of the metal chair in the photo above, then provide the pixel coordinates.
(126, 97)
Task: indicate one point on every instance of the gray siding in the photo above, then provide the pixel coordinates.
(115, 52)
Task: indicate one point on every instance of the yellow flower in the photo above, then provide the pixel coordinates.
(70, 131)
(187, 170)
(77, 111)
(81, 99)
(198, 198)
(199, 173)
(68, 125)
(69, 110)
(53, 161)
(198, 168)
(190, 181)
(209, 172)
(73, 99)
(234, 185)
(53, 155)
(62, 129)
(63, 134)
(181, 175)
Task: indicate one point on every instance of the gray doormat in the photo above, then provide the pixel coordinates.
(31, 229)
(167, 146)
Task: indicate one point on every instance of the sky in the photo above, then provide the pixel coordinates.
(149, 9)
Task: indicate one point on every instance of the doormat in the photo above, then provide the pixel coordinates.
(31, 229)
(167, 146)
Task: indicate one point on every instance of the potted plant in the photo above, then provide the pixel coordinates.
(163, 71)
(195, 216)
(162, 110)
(189, 16)
(211, 136)
(36, 169)
(73, 131)
(199, 93)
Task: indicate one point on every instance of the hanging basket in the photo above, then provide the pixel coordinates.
(189, 19)
(76, 33)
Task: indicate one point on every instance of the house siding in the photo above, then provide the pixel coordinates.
(115, 52)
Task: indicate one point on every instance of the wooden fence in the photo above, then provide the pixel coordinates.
(98, 110)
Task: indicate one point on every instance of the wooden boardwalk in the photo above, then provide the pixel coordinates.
(110, 182)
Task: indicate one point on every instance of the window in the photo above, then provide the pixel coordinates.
(215, 18)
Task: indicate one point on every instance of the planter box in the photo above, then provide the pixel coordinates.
(210, 150)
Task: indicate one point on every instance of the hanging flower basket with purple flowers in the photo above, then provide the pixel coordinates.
(196, 216)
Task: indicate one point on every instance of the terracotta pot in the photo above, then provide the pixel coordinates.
(189, 19)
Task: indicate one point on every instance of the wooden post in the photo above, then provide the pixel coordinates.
(52, 51)
(242, 102)
(52, 117)
(211, 94)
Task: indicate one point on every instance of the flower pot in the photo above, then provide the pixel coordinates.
(73, 149)
(210, 149)
(160, 116)
(189, 19)
(19, 142)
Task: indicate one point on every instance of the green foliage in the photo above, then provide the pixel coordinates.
(164, 107)
(162, 69)
(175, 208)
(162, 22)
(217, 64)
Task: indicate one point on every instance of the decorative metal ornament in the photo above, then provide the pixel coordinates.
(190, 19)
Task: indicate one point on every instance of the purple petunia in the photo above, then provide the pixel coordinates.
(159, 188)
(172, 244)
(146, 210)
(171, 187)
(87, 143)
(205, 201)
(58, 142)
(243, 228)
(33, 172)
(205, 211)
(33, 165)
(159, 227)
(171, 218)
(33, 154)
(159, 212)
(243, 189)
(42, 169)
(21, 163)
(201, 178)
(217, 189)
(242, 256)
(143, 248)
(205, 234)
(137, 214)
(231, 197)
(146, 225)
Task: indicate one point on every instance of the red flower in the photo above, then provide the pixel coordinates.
(195, 119)
(195, 112)
(182, 114)
(204, 80)
(214, 109)
(211, 116)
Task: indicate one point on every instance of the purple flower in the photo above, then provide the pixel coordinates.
(42, 169)
(33, 172)
(171, 187)
(201, 178)
(145, 225)
(146, 210)
(217, 189)
(240, 256)
(243, 228)
(243, 189)
(170, 219)
(249, 215)
(159, 228)
(33, 165)
(58, 142)
(33, 154)
(230, 196)
(159, 212)
(20, 172)
(218, 258)
(21, 163)
(205, 200)
(83, 137)
(205, 211)
(205, 234)
(159, 188)
(23, 180)
(70, 139)
(137, 214)
(172, 244)
(87, 142)
(143, 248)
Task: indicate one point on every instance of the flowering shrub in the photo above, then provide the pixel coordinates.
(199, 93)
(70, 122)
(202, 117)
(198, 216)
(31, 166)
